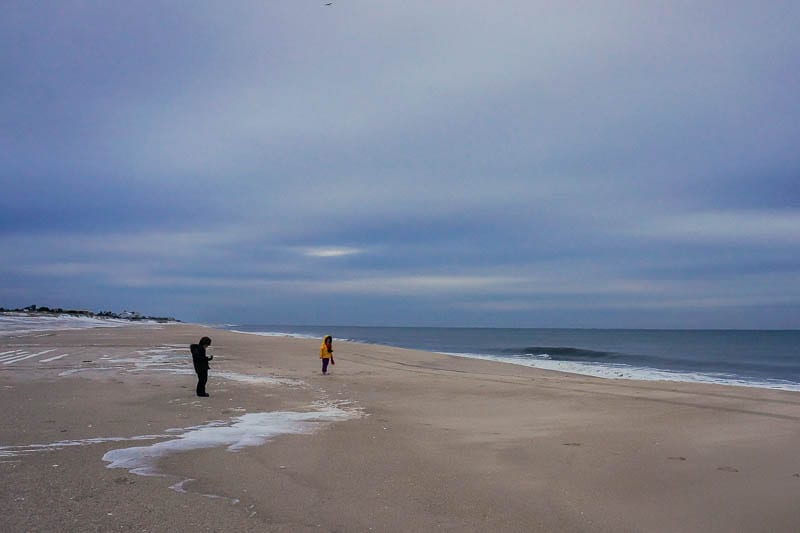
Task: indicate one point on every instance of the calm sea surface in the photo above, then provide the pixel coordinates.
(753, 358)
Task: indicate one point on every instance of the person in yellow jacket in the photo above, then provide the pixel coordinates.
(326, 353)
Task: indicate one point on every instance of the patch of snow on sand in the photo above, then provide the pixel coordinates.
(180, 487)
(245, 378)
(178, 361)
(15, 324)
(24, 355)
(50, 359)
(16, 451)
(251, 429)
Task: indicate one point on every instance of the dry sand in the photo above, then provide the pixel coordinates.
(434, 443)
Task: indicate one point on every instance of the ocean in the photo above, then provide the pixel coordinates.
(767, 359)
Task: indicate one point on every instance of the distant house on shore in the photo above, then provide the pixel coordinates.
(125, 315)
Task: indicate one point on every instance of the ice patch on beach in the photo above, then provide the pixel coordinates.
(247, 430)
(16, 451)
(17, 324)
(72, 372)
(264, 380)
(174, 359)
(180, 487)
(620, 371)
(251, 429)
(22, 355)
(56, 358)
(169, 359)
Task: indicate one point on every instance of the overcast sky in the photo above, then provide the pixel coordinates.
(470, 163)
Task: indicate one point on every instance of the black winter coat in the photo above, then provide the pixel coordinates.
(199, 357)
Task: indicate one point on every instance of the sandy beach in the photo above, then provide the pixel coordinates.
(101, 430)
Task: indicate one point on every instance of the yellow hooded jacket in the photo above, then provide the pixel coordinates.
(323, 350)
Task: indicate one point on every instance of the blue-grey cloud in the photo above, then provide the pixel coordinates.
(590, 164)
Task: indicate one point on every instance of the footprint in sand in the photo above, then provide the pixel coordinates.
(676, 458)
(571, 444)
(728, 468)
(796, 474)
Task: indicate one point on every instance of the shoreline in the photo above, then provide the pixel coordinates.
(598, 370)
(420, 441)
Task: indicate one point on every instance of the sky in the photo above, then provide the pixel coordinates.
(599, 164)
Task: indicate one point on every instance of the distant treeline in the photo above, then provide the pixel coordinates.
(125, 315)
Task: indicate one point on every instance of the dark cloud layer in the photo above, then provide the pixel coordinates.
(526, 164)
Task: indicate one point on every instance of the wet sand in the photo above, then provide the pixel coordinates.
(427, 442)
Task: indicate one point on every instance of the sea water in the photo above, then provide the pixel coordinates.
(769, 359)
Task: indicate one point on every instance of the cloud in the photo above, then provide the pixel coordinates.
(752, 227)
(495, 159)
(331, 252)
(409, 285)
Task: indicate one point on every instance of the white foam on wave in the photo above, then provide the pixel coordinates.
(545, 356)
(619, 371)
(278, 334)
(251, 429)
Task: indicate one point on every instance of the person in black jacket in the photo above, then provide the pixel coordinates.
(200, 360)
